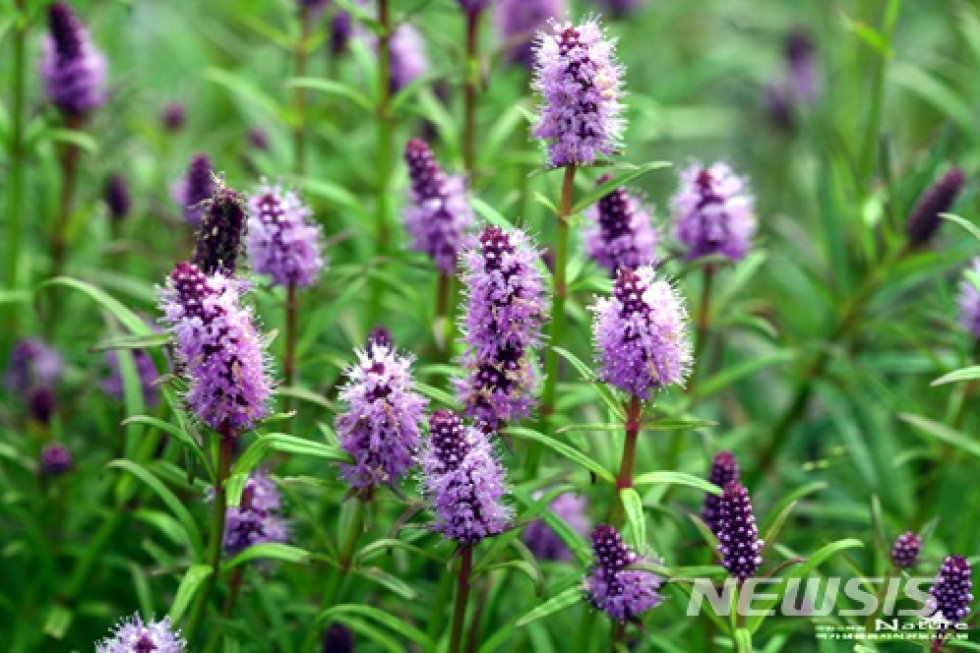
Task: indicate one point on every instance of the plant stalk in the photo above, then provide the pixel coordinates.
(470, 91)
(16, 144)
(384, 150)
(462, 595)
(289, 362)
(624, 479)
(68, 165)
(235, 584)
(299, 94)
(703, 325)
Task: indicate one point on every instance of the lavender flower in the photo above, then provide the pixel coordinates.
(56, 459)
(191, 192)
(217, 343)
(439, 211)
(619, 234)
(381, 428)
(72, 68)
(283, 241)
(612, 587)
(41, 403)
(619, 8)
(408, 58)
(145, 368)
(724, 470)
(219, 240)
(173, 117)
(714, 212)
(380, 336)
(256, 519)
(578, 77)
(464, 479)
(951, 596)
(640, 334)
(117, 197)
(519, 20)
(738, 536)
(338, 639)
(506, 305)
(802, 66)
(905, 552)
(32, 364)
(134, 636)
(924, 222)
(341, 30)
(473, 6)
(969, 299)
(543, 542)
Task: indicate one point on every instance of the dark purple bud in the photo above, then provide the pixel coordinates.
(173, 117)
(341, 28)
(219, 241)
(951, 596)
(724, 470)
(41, 404)
(338, 639)
(801, 61)
(72, 69)
(258, 139)
(380, 336)
(779, 107)
(56, 459)
(117, 197)
(905, 552)
(192, 191)
(620, 592)
(924, 222)
(611, 553)
(738, 535)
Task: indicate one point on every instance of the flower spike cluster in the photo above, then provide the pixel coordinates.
(519, 20)
(408, 58)
(969, 299)
(464, 480)
(256, 519)
(382, 425)
(72, 68)
(905, 551)
(506, 306)
(56, 459)
(738, 535)
(619, 233)
(578, 77)
(133, 635)
(951, 597)
(117, 198)
(438, 212)
(612, 587)
(724, 470)
(194, 189)
(714, 211)
(219, 240)
(543, 542)
(924, 222)
(217, 343)
(283, 241)
(640, 334)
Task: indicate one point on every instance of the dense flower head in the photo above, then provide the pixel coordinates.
(283, 240)
(714, 212)
(612, 587)
(969, 299)
(543, 542)
(173, 117)
(380, 336)
(32, 363)
(738, 535)
(578, 77)
(133, 635)
(802, 65)
(924, 222)
(640, 334)
(218, 345)
(506, 306)
(145, 368)
(464, 480)
(519, 20)
(619, 8)
(194, 189)
(382, 425)
(438, 212)
(905, 551)
(72, 68)
(619, 233)
(56, 459)
(950, 593)
(219, 240)
(341, 30)
(724, 470)
(408, 58)
(41, 403)
(117, 198)
(338, 638)
(256, 519)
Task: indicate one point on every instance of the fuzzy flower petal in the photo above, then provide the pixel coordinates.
(620, 233)
(612, 587)
(283, 240)
(72, 68)
(714, 212)
(133, 635)
(408, 58)
(256, 520)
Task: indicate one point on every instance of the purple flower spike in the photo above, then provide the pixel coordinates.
(621, 593)
(134, 636)
(714, 212)
(578, 77)
(338, 639)
(724, 470)
(506, 306)
(738, 536)
(951, 596)
(619, 234)
(543, 542)
(145, 368)
(905, 552)
(438, 212)
(117, 198)
(217, 343)
(72, 68)
(219, 240)
(56, 459)
(341, 30)
(382, 425)
(32, 364)
(969, 299)
(519, 20)
(465, 481)
(256, 519)
(408, 58)
(924, 222)
(802, 65)
(41, 404)
(640, 334)
(173, 117)
(197, 187)
(283, 240)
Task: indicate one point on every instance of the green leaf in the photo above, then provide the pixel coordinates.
(524, 567)
(633, 507)
(330, 87)
(792, 497)
(677, 478)
(384, 546)
(440, 396)
(189, 584)
(152, 341)
(386, 580)
(733, 373)
(942, 433)
(743, 641)
(563, 449)
(79, 139)
(269, 551)
(246, 91)
(605, 393)
(291, 444)
(383, 618)
(962, 374)
(490, 214)
(180, 434)
(605, 188)
(769, 538)
(967, 226)
(133, 323)
(562, 601)
(57, 621)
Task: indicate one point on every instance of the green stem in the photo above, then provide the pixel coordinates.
(437, 620)
(560, 293)
(703, 325)
(384, 150)
(289, 362)
(583, 639)
(235, 585)
(462, 595)
(879, 598)
(299, 94)
(872, 128)
(16, 167)
(470, 90)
